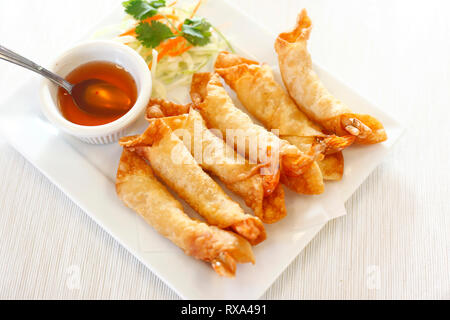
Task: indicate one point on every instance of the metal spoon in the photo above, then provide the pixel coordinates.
(93, 96)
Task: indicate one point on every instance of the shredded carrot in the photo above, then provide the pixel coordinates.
(150, 65)
(155, 17)
(172, 16)
(173, 47)
(166, 46)
(180, 51)
(199, 3)
(160, 17)
(171, 43)
(173, 3)
(131, 32)
(161, 55)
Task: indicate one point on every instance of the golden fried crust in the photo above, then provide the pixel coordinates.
(310, 94)
(199, 86)
(332, 166)
(222, 161)
(274, 206)
(227, 60)
(158, 108)
(152, 135)
(174, 164)
(268, 102)
(233, 170)
(218, 110)
(310, 182)
(301, 31)
(138, 188)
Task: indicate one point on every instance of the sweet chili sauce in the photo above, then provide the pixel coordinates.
(103, 70)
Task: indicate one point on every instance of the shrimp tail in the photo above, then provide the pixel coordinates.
(224, 265)
(294, 164)
(366, 129)
(270, 182)
(333, 143)
(302, 30)
(252, 229)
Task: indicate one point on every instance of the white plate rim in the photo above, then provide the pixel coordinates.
(310, 234)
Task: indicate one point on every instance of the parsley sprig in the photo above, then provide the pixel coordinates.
(152, 34)
(197, 31)
(141, 10)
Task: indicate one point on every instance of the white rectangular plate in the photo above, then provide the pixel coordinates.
(86, 174)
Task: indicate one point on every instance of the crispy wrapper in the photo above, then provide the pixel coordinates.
(310, 94)
(138, 188)
(219, 112)
(174, 164)
(262, 193)
(332, 166)
(267, 101)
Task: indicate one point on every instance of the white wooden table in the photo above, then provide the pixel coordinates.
(394, 242)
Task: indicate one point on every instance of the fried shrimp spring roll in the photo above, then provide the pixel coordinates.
(298, 170)
(138, 188)
(267, 101)
(312, 97)
(174, 164)
(262, 193)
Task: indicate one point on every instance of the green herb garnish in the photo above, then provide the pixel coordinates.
(152, 34)
(141, 10)
(197, 31)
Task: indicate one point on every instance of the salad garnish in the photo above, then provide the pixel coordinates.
(172, 39)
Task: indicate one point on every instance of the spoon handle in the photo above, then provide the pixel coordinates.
(17, 59)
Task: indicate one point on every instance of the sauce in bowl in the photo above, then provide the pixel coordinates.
(103, 70)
